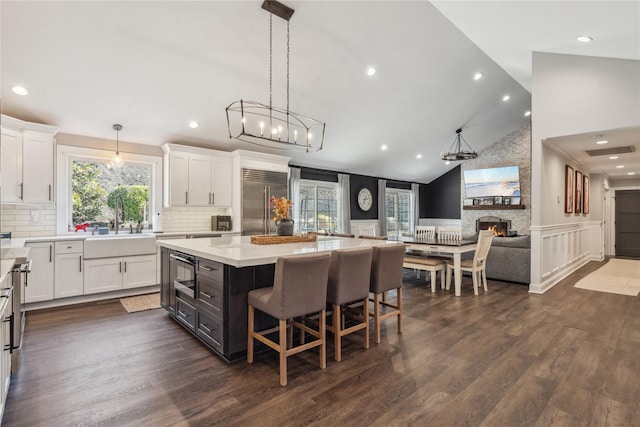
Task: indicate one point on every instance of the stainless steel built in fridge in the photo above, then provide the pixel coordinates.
(258, 186)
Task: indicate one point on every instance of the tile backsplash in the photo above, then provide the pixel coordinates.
(40, 220)
(24, 220)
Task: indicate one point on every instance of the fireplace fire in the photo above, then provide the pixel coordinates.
(500, 227)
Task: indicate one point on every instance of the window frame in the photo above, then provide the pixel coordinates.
(389, 191)
(65, 156)
(327, 184)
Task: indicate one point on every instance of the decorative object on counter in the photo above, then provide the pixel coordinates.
(270, 239)
(281, 208)
(82, 227)
(459, 153)
(117, 161)
(270, 126)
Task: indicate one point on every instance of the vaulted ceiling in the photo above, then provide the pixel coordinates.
(155, 66)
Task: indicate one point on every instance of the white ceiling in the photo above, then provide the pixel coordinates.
(154, 66)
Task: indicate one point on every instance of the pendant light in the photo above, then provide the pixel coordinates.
(457, 151)
(117, 161)
(271, 126)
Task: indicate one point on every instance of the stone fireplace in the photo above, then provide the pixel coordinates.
(499, 226)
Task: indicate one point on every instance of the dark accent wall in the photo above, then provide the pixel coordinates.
(441, 198)
(357, 183)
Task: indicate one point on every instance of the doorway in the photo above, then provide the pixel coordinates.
(627, 223)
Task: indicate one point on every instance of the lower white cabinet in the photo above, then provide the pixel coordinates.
(112, 274)
(69, 276)
(40, 280)
(5, 343)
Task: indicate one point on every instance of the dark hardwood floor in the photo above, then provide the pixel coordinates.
(570, 357)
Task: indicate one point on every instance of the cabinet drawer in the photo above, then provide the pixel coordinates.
(210, 296)
(71, 247)
(186, 313)
(212, 269)
(210, 330)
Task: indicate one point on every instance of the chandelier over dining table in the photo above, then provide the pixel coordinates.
(266, 125)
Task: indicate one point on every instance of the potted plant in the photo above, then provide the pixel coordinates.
(281, 207)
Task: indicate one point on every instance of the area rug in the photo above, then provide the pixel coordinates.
(141, 302)
(618, 276)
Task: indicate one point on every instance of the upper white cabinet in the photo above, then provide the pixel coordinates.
(197, 177)
(27, 162)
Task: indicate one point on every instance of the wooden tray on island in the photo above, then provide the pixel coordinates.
(272, 239)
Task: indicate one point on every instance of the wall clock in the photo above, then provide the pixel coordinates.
(365, 199)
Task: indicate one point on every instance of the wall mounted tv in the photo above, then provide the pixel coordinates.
(504, 181)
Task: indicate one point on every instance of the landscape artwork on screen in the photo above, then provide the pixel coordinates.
(504, 181)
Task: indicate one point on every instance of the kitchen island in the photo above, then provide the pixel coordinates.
(205, 282)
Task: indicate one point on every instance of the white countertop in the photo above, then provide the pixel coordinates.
(238, 251)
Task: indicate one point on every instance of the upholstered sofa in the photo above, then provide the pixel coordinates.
(509, 259)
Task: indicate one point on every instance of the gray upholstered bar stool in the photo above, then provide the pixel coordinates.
(386, 275)
(349, 274)
(299, 288)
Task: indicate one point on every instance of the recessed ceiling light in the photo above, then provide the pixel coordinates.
(371, 71)
(447, 162)
(584, 39)
(603, 141)
(620, 166)
(477, 76)
(193, 124)
(631, 173)
(527, 113)
(383, 147)
(506, 98)
(613, 157)
(419, 156)
(20, 90)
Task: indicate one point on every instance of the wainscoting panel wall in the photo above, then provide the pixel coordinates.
(559, 250)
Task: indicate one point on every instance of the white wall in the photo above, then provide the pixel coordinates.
(571, 95)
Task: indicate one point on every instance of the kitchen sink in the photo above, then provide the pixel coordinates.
(119, 245)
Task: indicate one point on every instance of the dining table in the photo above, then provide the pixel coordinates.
(453, 247)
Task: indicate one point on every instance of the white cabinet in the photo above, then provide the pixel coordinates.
(5, 345)
(69, 278)
(11, 166)
(112, 274)
(40, 280)
(197, 177)
(221, 185)
(199, 180)
(37, 175)
(26, 162)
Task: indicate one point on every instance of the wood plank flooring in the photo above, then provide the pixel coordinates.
(504, 358)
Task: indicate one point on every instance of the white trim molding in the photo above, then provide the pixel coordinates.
(559, 250)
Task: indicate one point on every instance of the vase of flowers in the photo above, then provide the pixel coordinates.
(281, 207)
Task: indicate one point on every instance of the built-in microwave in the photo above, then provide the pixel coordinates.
(220, 223)
(182, 272)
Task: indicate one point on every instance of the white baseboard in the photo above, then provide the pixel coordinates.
(91, 298)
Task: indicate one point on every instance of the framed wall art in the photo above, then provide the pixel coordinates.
(568, 189)
(578, 195)
(585, 194)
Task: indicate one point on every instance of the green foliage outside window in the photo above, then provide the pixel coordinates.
(87, 193)
(134, 197)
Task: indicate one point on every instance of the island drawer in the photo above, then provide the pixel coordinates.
(72, 247)
(210, 295)
(186, 313)
(211, 269)
(210, 330)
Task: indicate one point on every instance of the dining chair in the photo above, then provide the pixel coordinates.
(425, 232)
(367, 230)
(299, 289)
(348, 293)
(386, 275)
(477, 265)
(450, 233)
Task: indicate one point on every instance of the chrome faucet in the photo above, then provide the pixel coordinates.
(118, 197)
